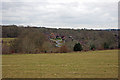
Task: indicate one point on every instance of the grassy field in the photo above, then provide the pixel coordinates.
(7, 39)
(91, 64)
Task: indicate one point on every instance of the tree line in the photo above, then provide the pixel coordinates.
(36, 39)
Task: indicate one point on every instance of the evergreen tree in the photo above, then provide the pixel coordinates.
(78, 47)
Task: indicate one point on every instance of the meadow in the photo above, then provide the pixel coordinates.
(6, 40)
(90, 64)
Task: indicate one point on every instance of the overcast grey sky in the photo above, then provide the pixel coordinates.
(95, 14)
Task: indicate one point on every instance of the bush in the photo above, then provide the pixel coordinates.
(78, 47)
(5, 49)
(106, 45)
(119, 45)
(48, 47)
(63, 49)
(92, 47)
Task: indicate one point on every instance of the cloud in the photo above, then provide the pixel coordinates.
(59, 1)
(61, 13)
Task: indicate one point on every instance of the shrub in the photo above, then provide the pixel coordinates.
(78, 47)
(48, 47)
(5, 49)
(92, 47)
(119, 45)
(63, 49)
(106, 45)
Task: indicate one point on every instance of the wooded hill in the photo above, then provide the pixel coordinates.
(87, 38)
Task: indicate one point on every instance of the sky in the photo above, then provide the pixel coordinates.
(77, 14)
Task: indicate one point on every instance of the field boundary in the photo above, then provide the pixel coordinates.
(60, 79)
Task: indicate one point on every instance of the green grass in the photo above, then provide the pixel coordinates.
(7, 39)
(92, 64)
